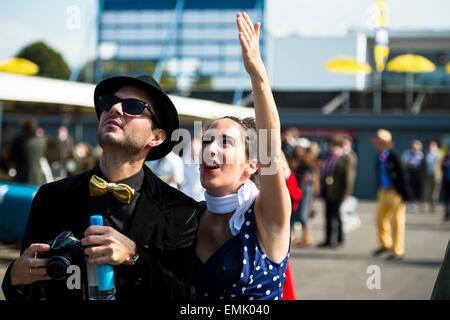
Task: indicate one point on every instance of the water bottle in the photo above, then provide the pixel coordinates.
(100, 277)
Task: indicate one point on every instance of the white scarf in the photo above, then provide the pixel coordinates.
(238, 202)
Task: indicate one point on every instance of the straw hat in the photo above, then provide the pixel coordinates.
(383, 135)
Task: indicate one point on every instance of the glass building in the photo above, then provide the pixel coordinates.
(185, 44)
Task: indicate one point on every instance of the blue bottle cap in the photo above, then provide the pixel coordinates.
(97, 220)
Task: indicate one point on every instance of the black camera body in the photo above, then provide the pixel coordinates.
(65, 250)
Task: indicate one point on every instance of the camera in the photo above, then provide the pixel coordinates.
(65, 250)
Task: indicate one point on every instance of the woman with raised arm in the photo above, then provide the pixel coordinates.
(244, 232)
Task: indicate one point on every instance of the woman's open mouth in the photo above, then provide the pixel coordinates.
(210, 166)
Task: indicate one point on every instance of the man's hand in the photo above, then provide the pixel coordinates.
(107, 245)
(28, 268)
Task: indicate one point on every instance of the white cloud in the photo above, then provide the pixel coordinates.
(336, 17)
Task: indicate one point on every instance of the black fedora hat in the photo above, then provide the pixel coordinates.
(164, 108)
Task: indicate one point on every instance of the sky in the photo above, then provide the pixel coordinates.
(334, 17)
(68, 25)
(54, 22)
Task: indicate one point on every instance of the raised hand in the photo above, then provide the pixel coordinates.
(273, 204)
(249, 39)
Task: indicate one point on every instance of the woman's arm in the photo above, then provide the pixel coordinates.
(273, 205)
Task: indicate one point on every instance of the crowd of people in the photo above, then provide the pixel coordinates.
(426, 171)
(165, 244)
(33, 157)
(413, 180)
(331, 178)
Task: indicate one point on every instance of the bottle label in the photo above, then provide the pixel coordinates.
(92, 275)
(105, 276)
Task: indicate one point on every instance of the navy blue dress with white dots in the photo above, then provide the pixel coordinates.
(240, 269)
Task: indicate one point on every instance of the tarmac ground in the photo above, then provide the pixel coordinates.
(348, 273)
(351, 272)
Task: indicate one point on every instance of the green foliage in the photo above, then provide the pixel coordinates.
(51, 63)
(148, 66)
(202, 83)
(127, 67)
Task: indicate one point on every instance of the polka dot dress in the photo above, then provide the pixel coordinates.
(260, 278)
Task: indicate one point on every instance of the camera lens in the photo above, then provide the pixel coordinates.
(57, 267)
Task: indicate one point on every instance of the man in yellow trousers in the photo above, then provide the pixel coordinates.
(393, 192)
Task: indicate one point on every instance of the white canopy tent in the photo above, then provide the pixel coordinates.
(21, 88)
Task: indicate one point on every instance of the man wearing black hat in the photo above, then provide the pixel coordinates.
(149, 227)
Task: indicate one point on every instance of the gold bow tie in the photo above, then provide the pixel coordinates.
(99, 187)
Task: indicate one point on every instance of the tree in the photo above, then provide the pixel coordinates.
(51, 63)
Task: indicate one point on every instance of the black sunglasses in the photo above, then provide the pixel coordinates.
(130, 106)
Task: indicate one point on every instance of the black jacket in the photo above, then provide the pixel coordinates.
(441, 289)
(26, 152)
(164, 227)
(397, 174)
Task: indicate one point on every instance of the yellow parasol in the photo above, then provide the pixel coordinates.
(347, 65)
(19, 66)
(410, 63)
